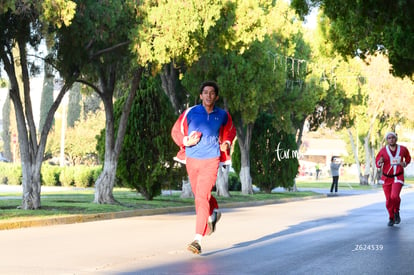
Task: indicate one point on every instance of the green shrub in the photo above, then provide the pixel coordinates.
(3, 172)
(50, 175)
(96, 171)
(67, 176)
(234, 182)
(83, 176)
(14, 174)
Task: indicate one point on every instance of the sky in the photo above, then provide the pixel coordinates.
(311, 19)
(36, 85)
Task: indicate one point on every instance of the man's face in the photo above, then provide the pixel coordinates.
(391, 140)
(208, 96)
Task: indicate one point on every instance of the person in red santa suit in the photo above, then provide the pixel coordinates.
(392, 158)
(204, 134)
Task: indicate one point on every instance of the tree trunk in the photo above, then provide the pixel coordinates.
(27, 143)
(367, 161)
(299, 136)
(104, 185)
(186, 190)
(7, 131)
(31, 151)
(374, 170)
(246, 180)
(30, 171)
(169, 79)
(32, 158)
(31, 188)
(377, 172)
(169, 82)
(244, 139)
(222, 182)
(355, 152)
(368, 149)
(106, 181)
(46, 100)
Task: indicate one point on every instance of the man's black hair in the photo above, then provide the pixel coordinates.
(212, 84)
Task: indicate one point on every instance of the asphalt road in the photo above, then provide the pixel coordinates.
(345, 234)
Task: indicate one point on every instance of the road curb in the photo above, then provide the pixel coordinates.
(81, 218)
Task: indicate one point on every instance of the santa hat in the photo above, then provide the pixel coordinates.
(390, 133)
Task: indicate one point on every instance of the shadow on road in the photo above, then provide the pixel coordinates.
(359, 240)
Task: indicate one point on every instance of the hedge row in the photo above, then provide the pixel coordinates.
(78, 176)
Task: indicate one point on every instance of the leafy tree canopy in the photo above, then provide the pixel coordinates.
(57, 12)
(174, 29)
(363, 27)
(97, 29)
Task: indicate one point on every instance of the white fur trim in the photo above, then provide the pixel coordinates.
(183, 161)
(390, 133)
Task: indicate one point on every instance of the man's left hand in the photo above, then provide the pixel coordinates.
(224, 146)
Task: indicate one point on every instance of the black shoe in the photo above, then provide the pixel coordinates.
(391, 222)
(212, 224)
(194, 247)
(397, 218)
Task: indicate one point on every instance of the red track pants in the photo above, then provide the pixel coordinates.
(202, 174)
(392, 197)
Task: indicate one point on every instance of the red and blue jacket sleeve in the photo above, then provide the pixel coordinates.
(227, 134)
(228, 131)
(178, 132)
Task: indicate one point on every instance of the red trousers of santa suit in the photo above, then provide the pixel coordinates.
(392, 192)
(202, 174)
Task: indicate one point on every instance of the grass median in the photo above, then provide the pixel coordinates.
(80, 201)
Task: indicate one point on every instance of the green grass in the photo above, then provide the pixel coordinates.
(63, 203)
(324, 184)
(72, 202)
(343, 183)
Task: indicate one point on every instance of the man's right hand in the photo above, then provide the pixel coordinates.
(192, 139)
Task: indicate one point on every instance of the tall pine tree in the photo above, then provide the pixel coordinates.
(146, 160)
(274, 155)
